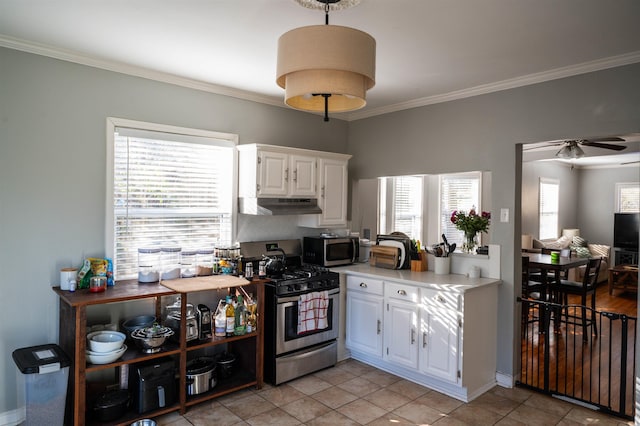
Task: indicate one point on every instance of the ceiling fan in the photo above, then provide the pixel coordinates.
(571, 147)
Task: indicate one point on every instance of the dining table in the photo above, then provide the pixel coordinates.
(551, 272)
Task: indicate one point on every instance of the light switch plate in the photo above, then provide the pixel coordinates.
(504, 215)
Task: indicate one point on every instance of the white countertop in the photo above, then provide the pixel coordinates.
(452, 282)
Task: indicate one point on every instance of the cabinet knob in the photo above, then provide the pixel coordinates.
(363, 285)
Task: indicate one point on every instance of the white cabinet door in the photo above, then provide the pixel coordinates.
(333, 192)
(439, 343)
(302, 175)
(401, 333)
(273, 174)
(364, 323)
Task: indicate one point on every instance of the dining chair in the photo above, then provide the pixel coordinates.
(530, 290)
(583, 289)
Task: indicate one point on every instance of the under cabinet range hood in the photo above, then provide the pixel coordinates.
(278, 206)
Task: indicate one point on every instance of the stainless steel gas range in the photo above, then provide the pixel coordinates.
(301, 313)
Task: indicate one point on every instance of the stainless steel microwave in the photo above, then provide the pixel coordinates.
(330, 251)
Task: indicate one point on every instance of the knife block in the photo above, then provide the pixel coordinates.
(420, 264)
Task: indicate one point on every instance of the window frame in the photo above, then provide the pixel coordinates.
(443, 215)
(620, 187)
(387, 214)
(112, 123)
(548, 181)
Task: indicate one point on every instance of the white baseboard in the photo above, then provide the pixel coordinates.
(504, 380)
(13, 417)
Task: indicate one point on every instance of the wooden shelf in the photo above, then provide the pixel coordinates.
(73, 325)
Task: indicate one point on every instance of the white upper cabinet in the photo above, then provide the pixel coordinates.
(271, 171)
(332, 194)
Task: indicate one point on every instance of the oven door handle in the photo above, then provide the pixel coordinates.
(281, 300)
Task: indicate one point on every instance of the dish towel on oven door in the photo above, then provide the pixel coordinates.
(312, 311)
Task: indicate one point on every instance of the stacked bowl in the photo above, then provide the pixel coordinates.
(104, 347)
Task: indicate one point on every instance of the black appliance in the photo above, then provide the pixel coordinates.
(204, 321)
(330, 250)
(289, 354)
(626, 230)
(153, 385)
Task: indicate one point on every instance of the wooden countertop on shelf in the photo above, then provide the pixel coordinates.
(132, 289)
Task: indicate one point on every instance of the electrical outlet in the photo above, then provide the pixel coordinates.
(504, 215)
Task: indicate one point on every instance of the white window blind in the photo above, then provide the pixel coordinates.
(460, 191)
(169, 189)
(401, 205)
(627, 197)
(549, 208)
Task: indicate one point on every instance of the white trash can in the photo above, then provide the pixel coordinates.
(43, 375)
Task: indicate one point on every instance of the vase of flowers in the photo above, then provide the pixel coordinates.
(470, 223)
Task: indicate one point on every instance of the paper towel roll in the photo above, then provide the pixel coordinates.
(527, 241)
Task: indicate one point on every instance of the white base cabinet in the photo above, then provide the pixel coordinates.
(439, 336)
(364, 316)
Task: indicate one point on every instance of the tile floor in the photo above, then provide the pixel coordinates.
(353, 393)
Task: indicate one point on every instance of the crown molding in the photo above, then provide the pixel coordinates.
(133, 70)
(123, 68)
(526, 80)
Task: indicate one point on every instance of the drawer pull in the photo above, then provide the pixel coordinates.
(402, 292)
(442, 299)
(424, 339)
(379, 326)
(363, 285)
(413, 336)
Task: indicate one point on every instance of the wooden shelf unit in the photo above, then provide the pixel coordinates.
(73, 325)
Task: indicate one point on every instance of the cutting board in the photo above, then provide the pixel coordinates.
(384, 257)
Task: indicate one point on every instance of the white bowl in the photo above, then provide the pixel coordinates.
(105, 358)
(105, 341)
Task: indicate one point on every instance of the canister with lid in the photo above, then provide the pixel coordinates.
(204, 262)
(188, 262)
(149, 264)
(170, 262)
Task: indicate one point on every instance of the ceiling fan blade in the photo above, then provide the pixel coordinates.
(603, 145)
(533, 148)
(609, 139)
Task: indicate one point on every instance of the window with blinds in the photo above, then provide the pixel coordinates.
(627, 197)
(459, 191)
(401, 205)
(549, 208)
(170, 188)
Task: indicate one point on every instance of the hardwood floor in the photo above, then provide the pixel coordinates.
(598, 370)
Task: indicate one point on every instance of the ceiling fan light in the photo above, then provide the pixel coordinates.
(571, 150)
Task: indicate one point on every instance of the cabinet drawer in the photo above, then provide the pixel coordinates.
(441, 299)
(402, 292)
(364, 284)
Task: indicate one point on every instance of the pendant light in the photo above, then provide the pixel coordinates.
(326, 68)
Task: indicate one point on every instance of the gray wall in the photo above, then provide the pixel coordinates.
(587, 197)
(596, 203)
(53, 171)
(482, 133)
(568, 202)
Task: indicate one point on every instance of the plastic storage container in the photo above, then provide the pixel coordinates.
(43, 374)
(170, 262)
(148, 265)
(205, 262)
(188, 262)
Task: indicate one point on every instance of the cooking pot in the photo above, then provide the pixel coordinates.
(111, 405)
(225, 365)
(275, 267)
(200, 375)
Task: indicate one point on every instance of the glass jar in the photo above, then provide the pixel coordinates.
(204, 262)
(170, 262)
(149, 265)
(188, 261)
